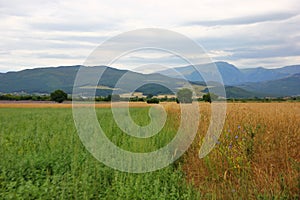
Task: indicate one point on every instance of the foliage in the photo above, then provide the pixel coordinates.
(42, 157)
(209, 97)
(256, 156)
(58, 96)
(185, 95)
(24, 97)
(154, 89)
(153, 100)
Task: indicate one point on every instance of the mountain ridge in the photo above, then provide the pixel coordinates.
(47, 79)
(231, 74)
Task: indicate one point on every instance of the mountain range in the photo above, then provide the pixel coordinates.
(46, 80)
(284, 81)
(240, 83)
(232, 75)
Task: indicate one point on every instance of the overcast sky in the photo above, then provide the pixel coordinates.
(247, 33)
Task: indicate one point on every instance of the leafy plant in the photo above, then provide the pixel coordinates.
(58, 96)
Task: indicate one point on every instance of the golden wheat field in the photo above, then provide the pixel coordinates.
(257, 152)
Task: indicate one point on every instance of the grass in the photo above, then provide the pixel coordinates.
(50, 104)
(43, 158)
(257, 156)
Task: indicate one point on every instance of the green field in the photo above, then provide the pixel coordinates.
(42, 157)
(257, 156)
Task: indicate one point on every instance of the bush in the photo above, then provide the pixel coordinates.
(209, 97)
(185, 96)
(58, 96)
(153, 100)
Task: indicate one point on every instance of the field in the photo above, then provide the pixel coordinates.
(256, 157)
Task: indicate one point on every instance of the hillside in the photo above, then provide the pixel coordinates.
(46, 80)
(289, 86)
(231, 74)
(248, 82)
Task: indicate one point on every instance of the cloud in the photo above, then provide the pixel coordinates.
(244, 20)
(275, 62)
(49, 33)
(74, 26)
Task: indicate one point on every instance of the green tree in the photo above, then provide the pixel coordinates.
(185, 95)
(58, 96)
(209, 97)
(153, 100)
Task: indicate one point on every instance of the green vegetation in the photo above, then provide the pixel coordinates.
(58, 96)
(46, 80)
(256, 156)
(115, 97)
(153, 100)
(209, 97)
(276, 82)
(42, 157)
(185, 95)
(24, 97)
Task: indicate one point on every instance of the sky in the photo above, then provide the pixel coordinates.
(248, 33)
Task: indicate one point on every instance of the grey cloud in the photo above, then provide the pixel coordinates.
(270, 52)
(282, 51)
(237, 42)
(256, 37)
(244, 20)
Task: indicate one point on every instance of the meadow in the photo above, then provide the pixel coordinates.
(256, 157)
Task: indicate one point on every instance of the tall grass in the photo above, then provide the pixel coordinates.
(42, 157)
(256, 157)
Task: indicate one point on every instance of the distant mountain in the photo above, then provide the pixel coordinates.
(260, 74)
(46, 80)
(288, 86)
(237, 92)
(246, 83)
(293, 69)
(39, 80)
(231, 75)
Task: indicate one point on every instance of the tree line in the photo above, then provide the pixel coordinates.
(184, 95)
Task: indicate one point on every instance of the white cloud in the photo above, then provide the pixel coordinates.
(50, 33)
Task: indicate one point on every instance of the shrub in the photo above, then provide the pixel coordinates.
(153, 100)
(185, 95)
(58, 96)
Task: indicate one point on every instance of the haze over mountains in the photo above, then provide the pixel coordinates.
(232, 75)
(240, 83)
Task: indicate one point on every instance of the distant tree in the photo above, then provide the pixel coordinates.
(209, 97)
(141, 99)
(115, 97)
(134, 99)
(58, 96)
(185, 95)
(153, 100)
(108, 98)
